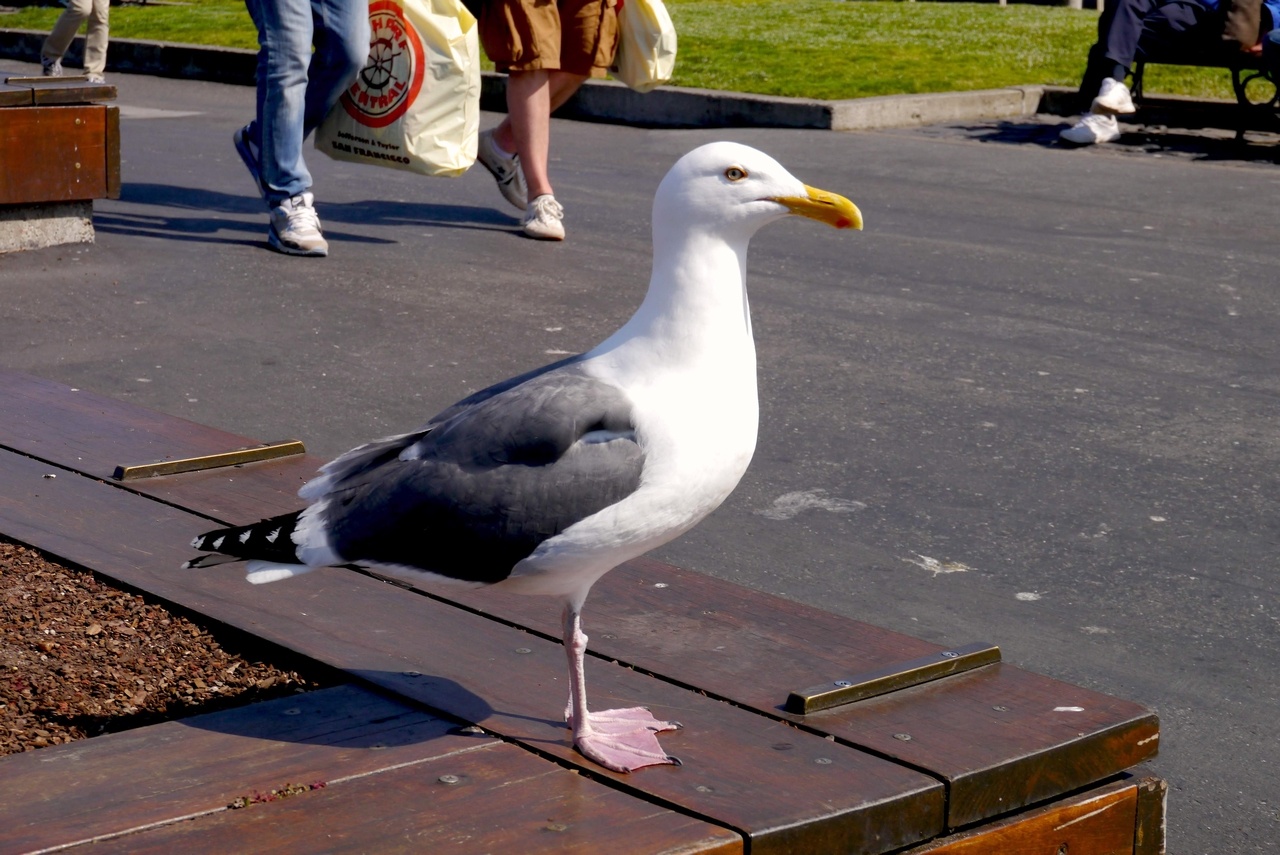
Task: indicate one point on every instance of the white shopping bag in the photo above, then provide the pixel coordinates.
(646, 56)
(416, 103)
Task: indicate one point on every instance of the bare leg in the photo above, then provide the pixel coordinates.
(621, 740)
(532, 96)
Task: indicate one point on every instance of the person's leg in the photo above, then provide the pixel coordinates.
(588, 40)
(562, 86)
(284, 56)
(64, 30)
(1180, 25)
(1271, 52)
(529, 126)
(285, 31)
(1112, 55)
(342, 49)
(95, 40)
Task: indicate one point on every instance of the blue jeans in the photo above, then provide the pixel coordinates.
(1271, 53)
(296, 88)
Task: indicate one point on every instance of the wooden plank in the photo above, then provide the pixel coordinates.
(1099, 822)
(68, 90)
(500, 800)
(93, 434)
(997, 736)
(378, 762)
(15, 96)
(52, 154)
(113, 152)
(1001, 737)
(787, 789)
(89, 788)
(1149, 836)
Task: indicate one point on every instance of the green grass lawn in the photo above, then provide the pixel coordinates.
(804, 48)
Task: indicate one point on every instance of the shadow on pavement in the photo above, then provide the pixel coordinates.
(250, 216)
(1207, 144)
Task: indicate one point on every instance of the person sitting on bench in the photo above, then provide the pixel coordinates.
(1132, 29)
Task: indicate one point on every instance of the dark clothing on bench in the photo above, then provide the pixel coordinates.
(1129, 30)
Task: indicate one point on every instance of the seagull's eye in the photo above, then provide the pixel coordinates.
(735, 173)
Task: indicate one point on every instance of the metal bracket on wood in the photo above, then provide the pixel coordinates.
(891, 678)
(269, 451)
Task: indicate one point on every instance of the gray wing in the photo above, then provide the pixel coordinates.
(484, 483)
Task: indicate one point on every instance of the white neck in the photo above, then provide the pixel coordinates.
(695, 312)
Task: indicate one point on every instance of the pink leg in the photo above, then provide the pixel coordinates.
(621, 740)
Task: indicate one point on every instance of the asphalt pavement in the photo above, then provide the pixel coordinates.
(1033, 403)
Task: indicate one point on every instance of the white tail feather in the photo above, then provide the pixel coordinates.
(262, 572)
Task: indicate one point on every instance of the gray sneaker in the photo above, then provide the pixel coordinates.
(51, 67)
(251, 156)
(506, 171)
(295, 227)
(544, 218)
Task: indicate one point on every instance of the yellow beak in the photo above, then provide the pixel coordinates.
(830, 208)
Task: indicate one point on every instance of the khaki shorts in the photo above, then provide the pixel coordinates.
(578, 36)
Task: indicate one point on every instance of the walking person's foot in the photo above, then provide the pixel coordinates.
(295, 227)
(544, 219)
(506, 170)
(251, 154)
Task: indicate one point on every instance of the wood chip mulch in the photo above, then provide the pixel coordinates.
(79, 658)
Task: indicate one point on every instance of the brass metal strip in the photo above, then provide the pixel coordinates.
(270, 451)
(891, 678)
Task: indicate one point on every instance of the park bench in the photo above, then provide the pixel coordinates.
(1257, 106)
(59, 150)
(448, 734)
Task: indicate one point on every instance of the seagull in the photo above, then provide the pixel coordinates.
(543, 483)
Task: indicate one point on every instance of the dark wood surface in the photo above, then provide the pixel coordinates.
(113, 152)
(385, 776)
(1149, 837)
(1100, 822)
(782, 786)
(61, 90)
(53, 154)
(997, 735)
(13, 95)
(94, 434)
(505, 800)
(1000, 737)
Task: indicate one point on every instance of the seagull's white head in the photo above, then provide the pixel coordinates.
(733, 190)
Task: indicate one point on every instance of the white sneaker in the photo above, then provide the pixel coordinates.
(543, 219)
(1113, 99)
(295, 227)
(95, 78)
(1092, 129)
(51, 67)
(506, 170)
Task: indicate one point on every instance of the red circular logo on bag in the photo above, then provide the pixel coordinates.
(392, 77)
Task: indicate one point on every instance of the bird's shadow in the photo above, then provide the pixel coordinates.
(355, 715)
(225, 218)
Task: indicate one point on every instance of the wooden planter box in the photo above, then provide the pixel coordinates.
(59, 150)
(993, 759)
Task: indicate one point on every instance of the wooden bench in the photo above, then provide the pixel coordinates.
(1246, 69)
(59, 150)
(991, 759)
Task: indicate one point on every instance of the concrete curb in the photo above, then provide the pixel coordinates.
(600, 101)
